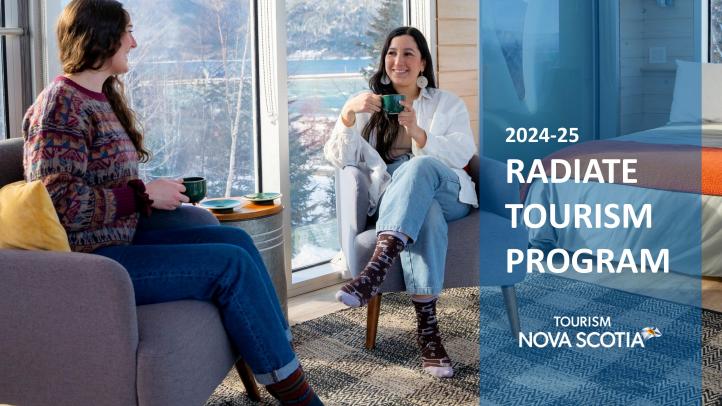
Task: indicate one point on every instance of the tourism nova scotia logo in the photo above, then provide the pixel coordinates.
(587, 332)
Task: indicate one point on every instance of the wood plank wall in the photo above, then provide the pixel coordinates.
(457, 70)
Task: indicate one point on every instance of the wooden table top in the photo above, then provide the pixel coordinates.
(249, 210)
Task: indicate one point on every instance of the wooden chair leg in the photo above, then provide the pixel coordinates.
(372, 321)
(512, 310)
(248, 380)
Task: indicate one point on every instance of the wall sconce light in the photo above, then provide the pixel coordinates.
(665, 3)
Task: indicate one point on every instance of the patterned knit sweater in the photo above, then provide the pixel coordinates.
(75, 144)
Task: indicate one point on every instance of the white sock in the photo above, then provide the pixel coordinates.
(440, 372)
(348, 299)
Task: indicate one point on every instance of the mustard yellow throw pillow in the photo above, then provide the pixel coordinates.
(28, 219)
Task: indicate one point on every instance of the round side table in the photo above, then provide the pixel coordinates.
(264, 223)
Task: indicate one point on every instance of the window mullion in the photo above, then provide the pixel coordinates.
(273, 110)
(51, 60)
(35, 47)
(423, 17)
(13, 71)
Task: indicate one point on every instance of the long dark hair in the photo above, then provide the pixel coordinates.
(89, 33)
(387, 126)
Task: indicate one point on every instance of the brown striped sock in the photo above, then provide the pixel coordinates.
(434, 358)
(362, 288)
(294, 390)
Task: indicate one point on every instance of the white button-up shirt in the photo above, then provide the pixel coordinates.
(441, 114)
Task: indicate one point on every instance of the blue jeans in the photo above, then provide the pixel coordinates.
(422, 197)
(220, 265)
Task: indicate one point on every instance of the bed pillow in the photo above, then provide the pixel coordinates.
(28, 219)
(686, 99)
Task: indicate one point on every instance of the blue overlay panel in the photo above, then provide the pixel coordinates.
(595, 111)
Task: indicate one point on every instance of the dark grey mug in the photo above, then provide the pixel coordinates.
(195, 188)
(391, 103)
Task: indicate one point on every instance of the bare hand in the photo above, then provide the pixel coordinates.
(407, 119)
(362, 103)
(166, 194)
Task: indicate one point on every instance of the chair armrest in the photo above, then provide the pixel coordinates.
(69, 330)
(352, 206)
(184, 216)
(494, 191)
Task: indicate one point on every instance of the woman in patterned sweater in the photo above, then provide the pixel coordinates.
(82, 141)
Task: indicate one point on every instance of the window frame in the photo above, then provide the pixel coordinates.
(19, 69)
(706, 31)
(418, 13)
(423, 15)
(49, 48)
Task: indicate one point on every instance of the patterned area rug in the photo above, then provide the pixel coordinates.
(343, 373)
(666, 372)
(711, 358)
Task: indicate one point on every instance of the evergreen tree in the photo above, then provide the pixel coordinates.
(306, 138)
(390, 15)
(301, 172)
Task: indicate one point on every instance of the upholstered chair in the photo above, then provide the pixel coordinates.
(477, 245)
(71, 333)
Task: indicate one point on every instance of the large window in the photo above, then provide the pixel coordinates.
(191, 85)
(332, 47)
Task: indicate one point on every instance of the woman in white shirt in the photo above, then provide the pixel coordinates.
(418, 182)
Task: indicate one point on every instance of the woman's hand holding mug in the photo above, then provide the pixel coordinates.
(363, 103)
(407, 119)
(166, 194)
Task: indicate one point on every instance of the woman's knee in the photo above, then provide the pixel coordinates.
(241, 236)
(232, 235)
(418, 166)
(239, 260)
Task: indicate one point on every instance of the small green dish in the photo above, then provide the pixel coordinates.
(266, 198)
(220, 205)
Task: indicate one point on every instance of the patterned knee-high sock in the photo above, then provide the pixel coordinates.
(366, 285)
(294, 390)
(434, 358)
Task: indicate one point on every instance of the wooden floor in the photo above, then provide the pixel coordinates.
(313, 305)
(322, 302)
(712, 293)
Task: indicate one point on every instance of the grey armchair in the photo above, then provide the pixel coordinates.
(477, 243)
(71, 334)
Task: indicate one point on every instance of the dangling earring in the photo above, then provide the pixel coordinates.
(422, 82)
(385, 80)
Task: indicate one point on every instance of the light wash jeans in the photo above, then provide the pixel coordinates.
(220, 265)
(422, 197)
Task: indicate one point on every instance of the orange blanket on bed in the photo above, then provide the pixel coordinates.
(712, 171)
(680, 168)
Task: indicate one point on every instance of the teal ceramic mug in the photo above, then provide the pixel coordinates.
(391, 103)
(195, 188)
